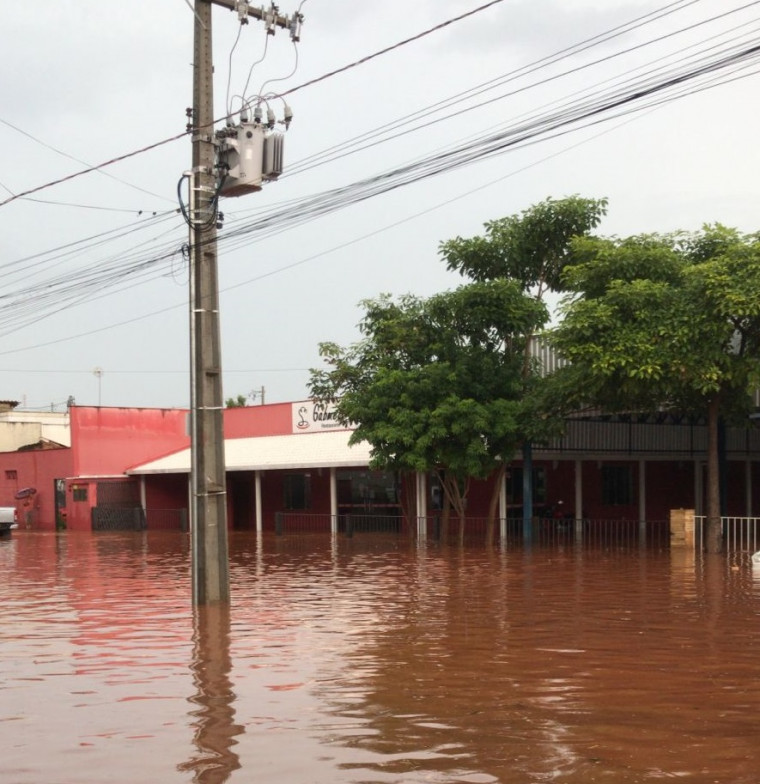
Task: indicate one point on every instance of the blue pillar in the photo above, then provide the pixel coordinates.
(722, 467)
(527, 492)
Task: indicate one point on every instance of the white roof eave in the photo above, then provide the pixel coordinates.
(271, 453)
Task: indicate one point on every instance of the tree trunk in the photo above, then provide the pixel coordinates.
(713, 534)
(445, 517)
(407, 499)
(454, 497)
(457, 497)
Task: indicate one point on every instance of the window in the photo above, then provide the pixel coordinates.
(79, 493)
(12, 474)
(368, 491)
(515, 485)
(617, 485)
(297, 489)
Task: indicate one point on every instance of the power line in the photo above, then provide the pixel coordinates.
(387, 49)
(90, 169)
(170, 139)
(70, 288)
(78, 160)
(394, 130)
(309, 258)
(73, 289)
(345, 146)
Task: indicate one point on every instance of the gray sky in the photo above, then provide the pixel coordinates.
(97, 80)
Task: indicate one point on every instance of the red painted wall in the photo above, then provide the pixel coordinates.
(755, 489)
(736, 494)
(38, 468)
(166, 491)
(106, 441)
(166, 496)
(79, 512)
(669, 486)
(247, 421)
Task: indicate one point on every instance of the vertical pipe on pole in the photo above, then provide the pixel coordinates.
(210, 566)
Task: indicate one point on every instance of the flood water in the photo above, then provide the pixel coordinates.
(375, 660)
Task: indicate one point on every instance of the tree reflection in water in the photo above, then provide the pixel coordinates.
(215, 729)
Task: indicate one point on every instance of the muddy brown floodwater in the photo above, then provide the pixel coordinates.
(375, 660)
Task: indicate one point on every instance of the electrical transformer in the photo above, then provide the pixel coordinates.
(248, 154)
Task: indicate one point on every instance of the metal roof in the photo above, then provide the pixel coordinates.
(298, 450)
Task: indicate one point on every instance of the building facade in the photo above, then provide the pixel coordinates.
(129, 468)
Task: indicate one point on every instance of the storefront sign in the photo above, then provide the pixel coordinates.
(310, 416)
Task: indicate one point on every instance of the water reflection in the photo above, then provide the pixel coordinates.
(214, 759)
(376, 662)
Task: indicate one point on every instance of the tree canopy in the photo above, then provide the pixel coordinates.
(447, 384)
(531, 247)
(436, 384)
(665, 321)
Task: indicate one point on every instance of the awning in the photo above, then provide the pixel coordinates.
(268, 453)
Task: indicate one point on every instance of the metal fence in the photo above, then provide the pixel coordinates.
(167, 519)
(740, 534)
(300, 523)
(109, 518)
(596, 532)
(106, 518)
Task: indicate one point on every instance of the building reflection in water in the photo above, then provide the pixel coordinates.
(214, 758)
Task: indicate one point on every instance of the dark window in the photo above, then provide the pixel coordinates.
(515, 485)
(617, 485)
(297, 491)
(368, 491)
(79, 494)
(11, 474)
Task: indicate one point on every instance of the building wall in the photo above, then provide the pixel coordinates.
(107, 441)
(167, 501)
(166, 491)
(39, 469)
(22, 428)
(268, 420)
(669, 485)
(16, 434)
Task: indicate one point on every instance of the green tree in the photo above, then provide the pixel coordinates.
(236, 402)
(436, 385)
(531, 248)
(665, 321)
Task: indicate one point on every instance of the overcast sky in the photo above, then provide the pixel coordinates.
(93, 81)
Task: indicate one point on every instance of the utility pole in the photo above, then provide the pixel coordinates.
(208, 513)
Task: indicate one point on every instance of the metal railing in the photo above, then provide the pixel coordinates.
(548, 531)
(740, 534)
(167, 519)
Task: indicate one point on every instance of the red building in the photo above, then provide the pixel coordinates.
(130, 468)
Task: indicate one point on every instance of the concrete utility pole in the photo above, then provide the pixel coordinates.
(208, 513)
(210, 560)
